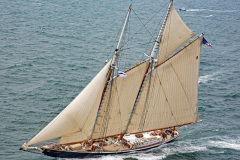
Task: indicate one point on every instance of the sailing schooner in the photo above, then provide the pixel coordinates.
(115, 114)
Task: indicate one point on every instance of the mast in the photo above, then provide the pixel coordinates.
(151, 59)
(113, 65)
(157, 42)
(117, 50)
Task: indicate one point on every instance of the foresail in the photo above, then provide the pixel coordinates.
(175, 33)
(118, 103)
(79, 116)
(169, 97)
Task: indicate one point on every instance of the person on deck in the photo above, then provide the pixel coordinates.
(163, 135)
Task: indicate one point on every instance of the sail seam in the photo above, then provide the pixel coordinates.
(167, 99)
(182, 86)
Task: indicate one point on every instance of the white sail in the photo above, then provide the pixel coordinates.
(118, 103)
(170, 93)
(79, 116)
(174, 35)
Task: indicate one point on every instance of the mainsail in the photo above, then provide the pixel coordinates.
(169, 97)
(79, 116)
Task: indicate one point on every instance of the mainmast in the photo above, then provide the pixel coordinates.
(113, 64)
(151, 59)
(157, 42)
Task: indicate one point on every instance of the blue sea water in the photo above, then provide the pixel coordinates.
(50, 50)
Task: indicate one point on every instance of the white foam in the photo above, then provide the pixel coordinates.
(223, 11)
(209, 15)
(196, 10)
(185, 147)
(209, 77)
(230, 144)
(148, 157)
(200, 10)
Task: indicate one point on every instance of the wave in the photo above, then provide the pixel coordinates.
(201, 10)
(140, 156)
(196, 10)
(232, 95)
(209, 15)
(226, 144)
(224, 11)
(208, 77)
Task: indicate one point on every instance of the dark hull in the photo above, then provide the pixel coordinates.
(70, 154)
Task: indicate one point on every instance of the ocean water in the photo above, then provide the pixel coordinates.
(50, 50)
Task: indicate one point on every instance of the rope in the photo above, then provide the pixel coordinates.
(164, 6)
(146, 105)
(144, 25)
(106, 113)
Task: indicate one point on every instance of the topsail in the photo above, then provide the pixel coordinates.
(175, 33)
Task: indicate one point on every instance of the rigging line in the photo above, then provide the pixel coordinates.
(64, 100)
(123, 49)
(116, 88)
(144, 25)
(106, 116)
(137, 97)
(146, 105)
(104, 92)
(170, 20)
(153, 88)
(116, 37)
(164, 6)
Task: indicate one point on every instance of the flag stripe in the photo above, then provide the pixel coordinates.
(204, 41)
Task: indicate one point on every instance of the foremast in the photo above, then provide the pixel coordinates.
(117, 50)
(113, 65)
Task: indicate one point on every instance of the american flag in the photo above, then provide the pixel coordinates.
(204, 41)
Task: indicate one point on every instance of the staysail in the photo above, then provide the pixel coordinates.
(173, 89)
(175, 33)
(78, 117)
